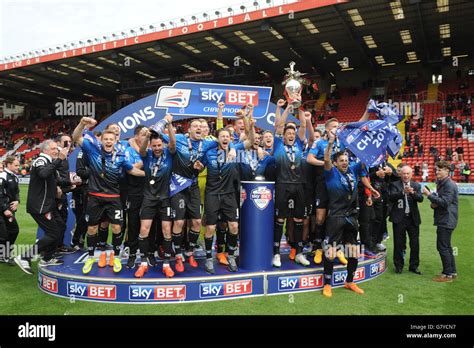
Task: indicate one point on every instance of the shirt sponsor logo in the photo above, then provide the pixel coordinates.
(311, 281)
(48, 284)
(172, 97)
(341, 276)
(94, 291)
(223, 289)
(157, 293)
(261, 197)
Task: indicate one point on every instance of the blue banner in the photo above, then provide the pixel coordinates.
(179, 183)
(371, 140)
(385, 111)
(199, 99)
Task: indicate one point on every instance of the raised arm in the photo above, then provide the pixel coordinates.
(310, 128)
(328, 151)
(280, 104)
(249, 142)
(86, 122)
(302, 129)
(220, 117)
(281, 124)
(144, 147)
(171, 134)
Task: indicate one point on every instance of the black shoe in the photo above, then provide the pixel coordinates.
(65, 250)
(398, 270)
(151, 260)
(415, 270)
(131, 261)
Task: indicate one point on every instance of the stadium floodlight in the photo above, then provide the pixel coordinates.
(133, 32)
(230, 10)
(124, 34)
(151, 27)
(114, 35)
(142, 29)
(242, 8)
(194, 18)
(256, 4)
(205, 15)
(89, 41)
(43, 51)
(217, 13)
(270, 2)
(172, 24)
(105, 37)
(182, 20)
(163, 25)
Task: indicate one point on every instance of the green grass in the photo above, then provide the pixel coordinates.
(391, 293)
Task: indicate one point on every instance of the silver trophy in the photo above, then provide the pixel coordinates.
(293, 86)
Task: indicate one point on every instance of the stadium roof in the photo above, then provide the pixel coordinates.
(317, 35)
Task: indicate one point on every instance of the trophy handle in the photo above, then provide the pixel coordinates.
(292, 67)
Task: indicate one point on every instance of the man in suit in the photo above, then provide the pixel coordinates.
(444, 202)
(405, 195)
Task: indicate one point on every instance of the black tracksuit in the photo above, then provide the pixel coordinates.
(41, 203)
(10, 193)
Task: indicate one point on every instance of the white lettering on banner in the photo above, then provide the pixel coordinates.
(271, 118)
(247, 17)
(200, 26)
(130, 122)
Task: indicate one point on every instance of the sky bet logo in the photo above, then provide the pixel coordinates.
(157, 293)
(340, 277)
(48, 284)
(229, 97)
(377, 268)
(103, 292)
(311, 281)
(240, 287)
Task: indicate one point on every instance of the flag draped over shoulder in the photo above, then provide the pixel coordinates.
(385, 111)
(371, 140)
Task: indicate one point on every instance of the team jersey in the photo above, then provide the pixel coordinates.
(309, 171)
(322, 144)
(251, 166)
(222, 176)
(158, 174)
(236, 138)
(187, 152)
(135, 183)
(342, 188)
(106, 169)
(288, 161)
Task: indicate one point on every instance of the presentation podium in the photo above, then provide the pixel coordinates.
(255, 277)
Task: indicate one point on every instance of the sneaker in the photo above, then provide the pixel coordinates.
(443, 278)
(142, 269)
(222, 259)
(179, 264)
(125, 253)
(88, 265)
(76, 247)
(292, 254)
(167, 271)
(151, 260)
(192, 261)
(117, 265)
(51, 262)
(369, 254)
(318, 256)
(24, 264)
(302, 260)
(327, 290)
(232, 264)
(352, 286)
(112, 260)
(341, 257)
(380, 247)
(276, 261)
(102, 259)
(210, 266)
(131, 261)
(65, 250)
